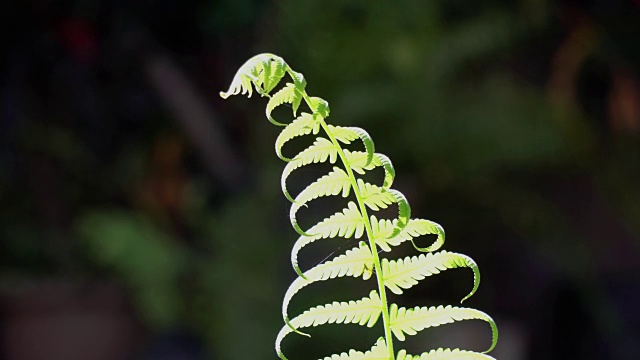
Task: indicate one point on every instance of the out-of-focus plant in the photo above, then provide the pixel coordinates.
(447, 66)
(143, 257)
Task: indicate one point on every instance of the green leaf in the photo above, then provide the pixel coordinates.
(301, 84)
(272, 72)
(303, 125)
(418, 227)
(410, 321)
(374, 196)
(365, 311)
(334, 183)
(347, 223)
(297, 78)
(404, 211)
(319, 106)
(262, 69)
(343, 134)
(444, 354)
(379, 351)
(383, 228)
(242, 80)
(288, 94)
(389, 171)
(348, 134)
(352, 355)
(321, 150)
(405, 273)
(358, 160)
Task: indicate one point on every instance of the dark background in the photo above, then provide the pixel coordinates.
(140, 214)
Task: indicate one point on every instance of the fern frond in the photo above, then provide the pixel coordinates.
(444, 354)
(410, 321)
(353, 262)
(303, 125)
(334, 183)
(263, 72)
(345, 223)
(365, 311)
(405, 273)
(377, 352)
(321, 150)
(383, 228)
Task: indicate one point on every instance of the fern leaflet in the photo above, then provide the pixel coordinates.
(334, 183)
(365, 311)
(345, 224)
(405, 273)
(444, 354)
(305, 124)
(410, 321)
(321, 150)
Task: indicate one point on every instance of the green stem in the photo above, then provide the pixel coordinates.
(367, 225)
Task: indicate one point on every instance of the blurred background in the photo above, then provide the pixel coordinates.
(141, 217)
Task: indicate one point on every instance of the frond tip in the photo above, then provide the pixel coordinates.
(263, 71)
